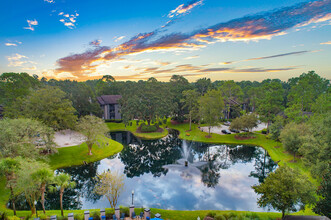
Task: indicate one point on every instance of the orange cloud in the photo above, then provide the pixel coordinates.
(254, 27)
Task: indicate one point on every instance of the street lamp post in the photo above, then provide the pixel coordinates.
(132, 196)
(35, 204)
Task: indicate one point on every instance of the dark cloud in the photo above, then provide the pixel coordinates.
(95, 43)
(270, 57)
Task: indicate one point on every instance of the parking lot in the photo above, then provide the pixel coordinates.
(218, 129)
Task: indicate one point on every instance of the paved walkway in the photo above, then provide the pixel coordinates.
(66, 138)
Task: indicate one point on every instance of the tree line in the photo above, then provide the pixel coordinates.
(152, 99)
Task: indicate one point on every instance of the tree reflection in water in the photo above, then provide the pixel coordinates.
(84, 176)
(141, 157)
(263, 165)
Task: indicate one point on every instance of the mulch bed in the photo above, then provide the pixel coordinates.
(173, 122)
(243, 138)
(208, 136)
(277, 147)
(158, 130)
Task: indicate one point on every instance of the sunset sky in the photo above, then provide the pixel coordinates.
(133, 40)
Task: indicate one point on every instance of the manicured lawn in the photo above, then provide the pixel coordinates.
(121, 127)
(70, 156)
(174, 214)
(171, 214)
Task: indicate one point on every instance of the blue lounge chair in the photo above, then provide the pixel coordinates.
(133, 215)
(122, 216)
(141, 215)
(114, 217)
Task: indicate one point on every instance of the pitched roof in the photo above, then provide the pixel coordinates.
(108, 99)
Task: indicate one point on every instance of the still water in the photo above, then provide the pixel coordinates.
(217, 176)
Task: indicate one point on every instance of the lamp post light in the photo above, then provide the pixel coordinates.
(35, 205)
(132, 196)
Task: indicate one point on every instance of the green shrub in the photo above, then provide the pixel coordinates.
(157, 125)
(264, 131)
(13, 218)
(211, 214)
(125, 210)
(59, 217)
(252, 215)
(95, 215)
(78, 216)
(165, 121)
(146, 128)
(110, 213)
(3, 215)
(28, 217)
(114, 120)
(255, 216)
(42, 216)
(220, 217)
(246, 134)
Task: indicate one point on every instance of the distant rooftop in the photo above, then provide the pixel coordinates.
(108, 99)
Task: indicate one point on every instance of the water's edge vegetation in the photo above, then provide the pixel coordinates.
(71, 156)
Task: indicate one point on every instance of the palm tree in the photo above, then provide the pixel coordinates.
(43, 176)
(9, 167)
(62, 182)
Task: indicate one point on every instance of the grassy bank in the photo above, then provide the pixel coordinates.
(177, 214)
(173, 214)
(121, 127)
(70, 156)
(274, 148)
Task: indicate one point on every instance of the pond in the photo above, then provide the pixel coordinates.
(217, 176)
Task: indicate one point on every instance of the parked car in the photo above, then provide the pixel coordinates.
(245, 130)
(226, 131)
(234, 130)
(227, 123)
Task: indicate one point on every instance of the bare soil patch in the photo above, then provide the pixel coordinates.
(277, 147)
(208, 136)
